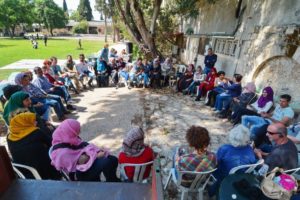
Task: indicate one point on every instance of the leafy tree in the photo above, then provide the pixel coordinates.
(140, 26)
(85, 10)
(75, 16)
(106, 9)
(81, 27)
(50, 14)
(14, 13)
(65, 8)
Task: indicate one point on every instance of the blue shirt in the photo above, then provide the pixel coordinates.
(101, 65)
(104, 54)
(35, 91)
(229, 157)
(210, 60)
(43, 83)
(234, 90)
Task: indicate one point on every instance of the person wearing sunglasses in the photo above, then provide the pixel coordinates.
(284, 152)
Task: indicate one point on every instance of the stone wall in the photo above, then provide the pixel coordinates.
(267, 41)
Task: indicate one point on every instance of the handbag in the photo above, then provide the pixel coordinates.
(274, 190)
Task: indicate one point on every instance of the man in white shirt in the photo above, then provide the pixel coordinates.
(84, 70)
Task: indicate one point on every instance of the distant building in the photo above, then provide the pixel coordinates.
(95, 27)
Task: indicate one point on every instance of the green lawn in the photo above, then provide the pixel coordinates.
(12, 50)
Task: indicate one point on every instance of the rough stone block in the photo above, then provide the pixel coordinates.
(296, 55)
(290, 30)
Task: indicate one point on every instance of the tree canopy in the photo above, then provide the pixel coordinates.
(85, 11)
(15, 12)
(50, 14)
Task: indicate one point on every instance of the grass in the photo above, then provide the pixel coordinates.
(12, 50)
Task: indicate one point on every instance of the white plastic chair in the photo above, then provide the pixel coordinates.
(250, 167)
(198, 184)
(139, 171)
(31, 169)
(294, 173)
(181, 68)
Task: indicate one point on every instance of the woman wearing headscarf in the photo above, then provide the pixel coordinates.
(135, 151)
(27, 144)
(84, 161)
(155, 73)
(263, 104)
(247, 97)
(23, 79)
(207, 85)
(186, 79)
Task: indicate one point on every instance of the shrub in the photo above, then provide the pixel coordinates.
(81, 27)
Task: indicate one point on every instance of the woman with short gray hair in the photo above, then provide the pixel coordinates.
(237, 152)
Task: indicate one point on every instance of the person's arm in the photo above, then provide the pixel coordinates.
(260, 154)
(285, 120)
(294, 139)
(266, 108)
(83, 159)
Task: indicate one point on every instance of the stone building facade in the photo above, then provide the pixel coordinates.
(259, 39)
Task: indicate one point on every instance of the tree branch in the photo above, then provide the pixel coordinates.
(156, 9)
(124, 19)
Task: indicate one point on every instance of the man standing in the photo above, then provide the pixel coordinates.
(209, 61)
(45, 40)
(284, 152)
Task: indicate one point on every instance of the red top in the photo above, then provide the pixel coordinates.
(146, 156)
(52, 80)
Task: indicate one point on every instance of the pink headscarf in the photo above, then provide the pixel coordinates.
(65, 158)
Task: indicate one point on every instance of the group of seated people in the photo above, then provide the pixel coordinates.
(140, 72)
(262, 134)
(35, 142)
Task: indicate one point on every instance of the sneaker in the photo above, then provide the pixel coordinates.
(197, 99)
(67, 112)
(217, 111)
(70, 107)
(117, 87)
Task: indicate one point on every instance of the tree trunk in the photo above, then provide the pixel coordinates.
(114, 31)
(148, 37)
(51, 31)
(12, 31)
(105, 31)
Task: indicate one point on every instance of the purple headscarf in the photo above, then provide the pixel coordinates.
(262, 101)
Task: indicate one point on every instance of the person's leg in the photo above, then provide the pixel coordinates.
(106, 165)
(59, 92)
(219, 102)
(226, 102)
(199, 92)
(146, 79)
(255, 123)
(206, 70)
(91, 76)
(58, 100)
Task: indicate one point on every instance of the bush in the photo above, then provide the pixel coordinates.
(81, 27)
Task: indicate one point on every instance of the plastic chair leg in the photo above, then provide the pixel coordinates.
(168, 180)
(200, 194)
(184, 195)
